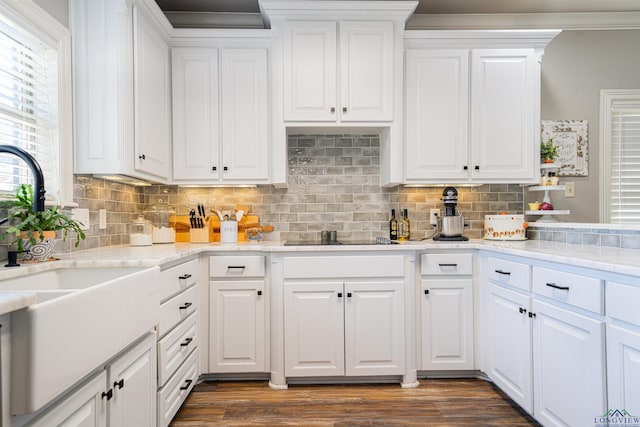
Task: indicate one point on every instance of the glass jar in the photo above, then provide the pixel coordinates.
(141, 232)
(163, 220)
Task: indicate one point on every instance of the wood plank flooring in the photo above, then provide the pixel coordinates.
(436, 402)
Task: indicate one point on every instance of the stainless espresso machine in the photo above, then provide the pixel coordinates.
(452, 223)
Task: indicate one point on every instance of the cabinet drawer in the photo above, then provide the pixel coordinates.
(236, 266)
(177, 309)
(446, 264)
(171, 396)
(176, 347)
(622, 302)
(178, 278)
(580, 291)
(313, 267)
(511, 273)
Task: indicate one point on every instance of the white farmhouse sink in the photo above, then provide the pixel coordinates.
(82, 317)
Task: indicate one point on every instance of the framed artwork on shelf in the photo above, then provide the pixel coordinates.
(572, 139)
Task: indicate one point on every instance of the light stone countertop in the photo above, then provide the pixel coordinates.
(613, 260)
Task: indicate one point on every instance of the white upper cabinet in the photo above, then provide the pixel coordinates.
(349, 80)
(122, 92)
(220, 115)
(472, 106)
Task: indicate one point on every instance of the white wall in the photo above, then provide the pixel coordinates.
(59, 9)
(575, 66)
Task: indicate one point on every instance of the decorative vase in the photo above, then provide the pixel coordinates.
(42, 250)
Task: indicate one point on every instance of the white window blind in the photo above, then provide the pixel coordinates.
(28, 103)
(621, 144)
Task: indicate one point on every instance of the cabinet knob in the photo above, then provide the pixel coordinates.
(259, 293)
(344, 109)
(108, 394)
(476, 167)
(426, 291)
(119, 384)
(333, 109)
(224, 168)
(522, 310)
(532, 315)
(339, 294)
(142, 157)
(214, 168)
(348, 294)
(465, 167)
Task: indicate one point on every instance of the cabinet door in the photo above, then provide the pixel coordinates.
(508, 338)
(366, 71)
(374, 328)
(568, 365)
(133, 380)
(314, 329)
(623, 369)
(504, 114)
(245, 136)
(237, 334)
(85, 407)
(447, 324)
(437, 114)
(196, 114)
(152, 98)
(310, 69)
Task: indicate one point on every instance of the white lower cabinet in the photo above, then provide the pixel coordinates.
(237, 313)
(508, 338)
(568, 365)
(348, 328)
(623, 347)
(120, 395)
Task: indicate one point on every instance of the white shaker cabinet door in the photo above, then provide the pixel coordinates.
(374, 328)
(237, 335)
(196, 114)
(505, 116)
(623, 368)
(310, 87)
(314, 329)
(152, 98)
(366, 71)
(568, 365)
(508, 338)
(437, 114)
(447, 324)
(244, 115)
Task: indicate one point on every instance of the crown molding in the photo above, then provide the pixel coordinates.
(564, 21)
(215, 20)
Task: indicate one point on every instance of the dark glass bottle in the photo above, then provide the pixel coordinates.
(393, 226)
(406, 228)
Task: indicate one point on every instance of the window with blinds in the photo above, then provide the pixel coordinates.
(620, 111)
(28, 101)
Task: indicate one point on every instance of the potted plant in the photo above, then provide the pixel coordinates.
(31, 229)
(548, 151)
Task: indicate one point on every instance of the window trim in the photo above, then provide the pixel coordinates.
(607, 98)
(33, 18)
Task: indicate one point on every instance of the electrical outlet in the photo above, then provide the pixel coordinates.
(103, 218)
(570, 189)
(81, 215)
(433, 216)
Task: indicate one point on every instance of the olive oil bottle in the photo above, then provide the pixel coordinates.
(393, 226)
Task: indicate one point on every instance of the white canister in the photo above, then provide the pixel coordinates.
(228, 231)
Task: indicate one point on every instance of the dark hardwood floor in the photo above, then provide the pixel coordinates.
(436, 402)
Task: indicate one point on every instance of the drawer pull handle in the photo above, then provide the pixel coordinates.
(186, 342)
(448, 265)
(503, 272)
(522, 310)
(426, 291)
(186, 385)
(554, 286)
(184, 277)
(235, 267)
(119, 384)
(185, 306)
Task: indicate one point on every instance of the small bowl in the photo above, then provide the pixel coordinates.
(534, 206)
